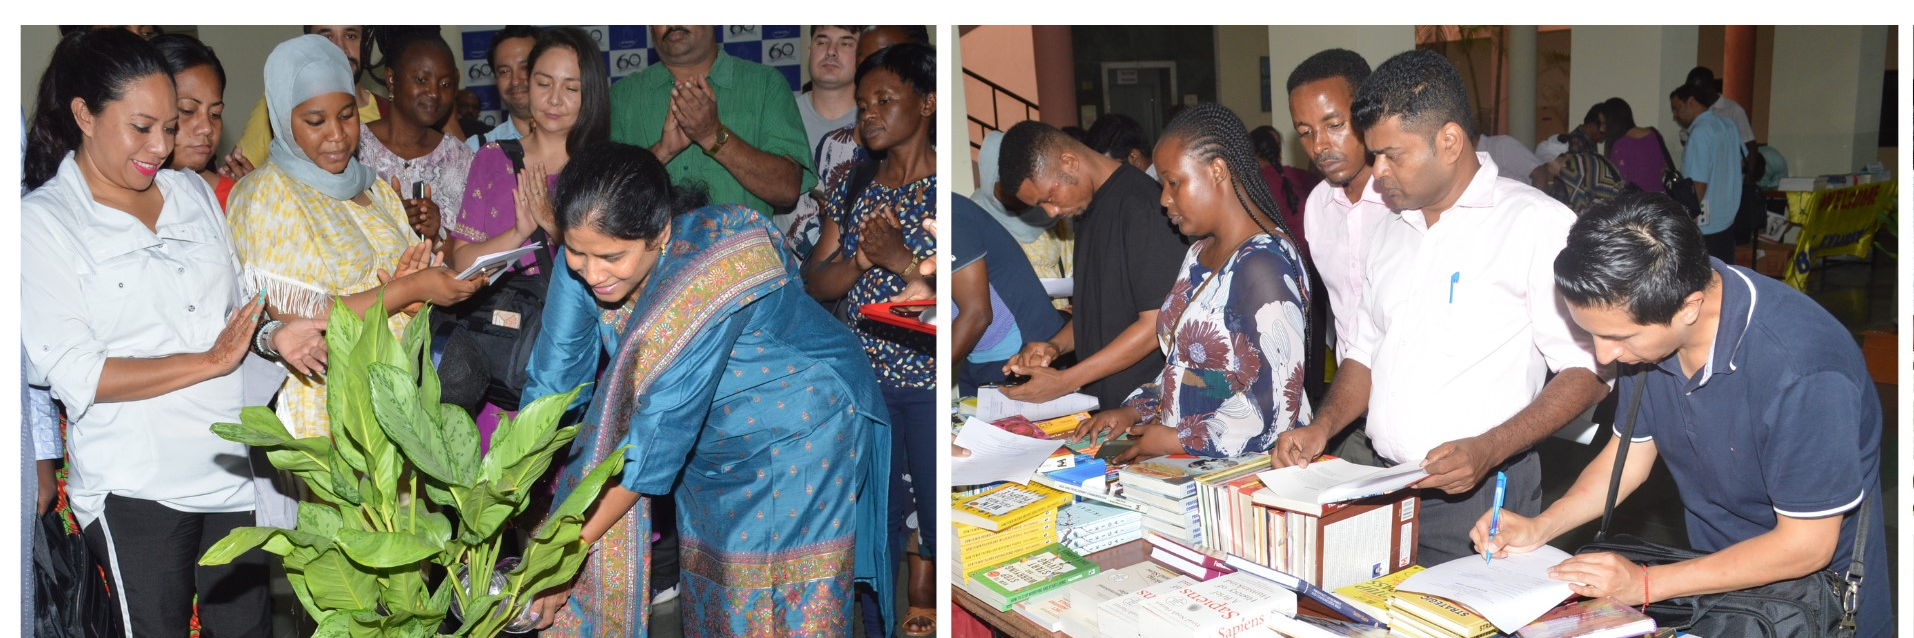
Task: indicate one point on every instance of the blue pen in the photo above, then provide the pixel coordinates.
(1495, 515)
(1454, 277)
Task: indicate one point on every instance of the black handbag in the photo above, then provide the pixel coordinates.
(1678, 187)
(1821, 604)
(70, 597)
(482, 345)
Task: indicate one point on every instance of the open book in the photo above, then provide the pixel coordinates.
(1510, 592)
(1306, 490)
(496, 263)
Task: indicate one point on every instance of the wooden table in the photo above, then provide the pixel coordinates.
(1017, 626)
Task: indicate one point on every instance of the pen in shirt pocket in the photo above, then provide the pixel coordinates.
(1454, 278)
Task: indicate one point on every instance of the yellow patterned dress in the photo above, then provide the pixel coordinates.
(304, 247)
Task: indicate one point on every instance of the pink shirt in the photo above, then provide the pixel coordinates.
(1461, 321)
(1340, 231)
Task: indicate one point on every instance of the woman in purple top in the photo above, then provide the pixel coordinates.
(1636, 151)
(571, 106)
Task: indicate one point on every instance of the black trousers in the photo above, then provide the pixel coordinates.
(151, 554)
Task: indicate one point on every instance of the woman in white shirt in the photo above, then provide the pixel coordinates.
(134, 316)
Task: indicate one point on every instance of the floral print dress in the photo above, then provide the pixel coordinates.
(1233, 340)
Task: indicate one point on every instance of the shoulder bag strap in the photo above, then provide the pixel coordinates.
(1621, 452)
(1667, 161)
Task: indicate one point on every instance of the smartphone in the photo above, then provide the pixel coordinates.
(1114, 448)
(909, 311)
(1013, 378)
(418, 190)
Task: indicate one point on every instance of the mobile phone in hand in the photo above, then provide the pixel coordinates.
(1013, 378)
(418, 190)
(909, 311)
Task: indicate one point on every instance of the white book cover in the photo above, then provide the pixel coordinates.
(1092, 592)
(1047, 609)
(1117, 617)
(1227, 605)
(993, 405)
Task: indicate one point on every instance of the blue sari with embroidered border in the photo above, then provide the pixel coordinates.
(747, 402)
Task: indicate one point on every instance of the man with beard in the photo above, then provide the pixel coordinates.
(511, 60)
(714, 119)
(1343, 210)
(1460, 319)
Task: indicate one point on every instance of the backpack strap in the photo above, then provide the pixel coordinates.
(515, 151)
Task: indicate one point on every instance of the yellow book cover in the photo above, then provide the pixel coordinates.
(972, 534)
(1373, 594)
(1440, 613)
(1004, 550)
(1005, 505)
(1062, 425)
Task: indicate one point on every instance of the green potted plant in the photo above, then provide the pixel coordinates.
(399, 491)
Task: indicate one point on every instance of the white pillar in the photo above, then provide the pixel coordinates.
(1825, 107)
(1522, 84)
(950, 103)
(1638, 64)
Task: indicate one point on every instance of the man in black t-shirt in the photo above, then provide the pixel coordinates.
(1126, 255)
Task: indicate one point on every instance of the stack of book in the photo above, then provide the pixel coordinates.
(1166, 488)
(1087, 527)
(1229, 605)
(1183, 558)
(1121, 617)
(1006, 584)
(1073, 609)
(1425, 616)
(1002, 523)
(1327, 542)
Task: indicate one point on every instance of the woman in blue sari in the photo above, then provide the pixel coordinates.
(737, 395)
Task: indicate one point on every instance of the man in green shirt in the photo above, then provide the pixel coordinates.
(715, 119)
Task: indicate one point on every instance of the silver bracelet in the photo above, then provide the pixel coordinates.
(262, 342)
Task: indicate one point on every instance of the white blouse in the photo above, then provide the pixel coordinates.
(96, 283)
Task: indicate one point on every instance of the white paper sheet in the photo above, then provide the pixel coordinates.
(993, 405)
(1059, 288)
(1510, 592)
(996, 455)
(498, 262)
(1337, 480)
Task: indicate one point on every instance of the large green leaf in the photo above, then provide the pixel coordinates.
(435, 526)
(583, 496)
(320, 518)
(257, 426)
(345, 486)
(338, 584)
(385, 549)
(461, 438)
(478, 610)
(552, 560)
(342, 332)
(438, 494)
(237, 542)
(482, 510)
(429, 389)
(333, 624)
(519, 437)
(302, 455)
(396, 402)
(349, 409)
(531, 467)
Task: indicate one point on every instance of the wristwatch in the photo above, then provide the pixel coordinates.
(723, 135)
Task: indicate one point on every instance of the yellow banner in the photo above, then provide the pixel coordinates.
(1835, 222)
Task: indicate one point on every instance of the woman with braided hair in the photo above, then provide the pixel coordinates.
(1234, 326)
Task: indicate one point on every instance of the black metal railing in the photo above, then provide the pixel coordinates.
(995, 123)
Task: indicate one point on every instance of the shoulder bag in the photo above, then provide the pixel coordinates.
(482, 345)
(1821, 604)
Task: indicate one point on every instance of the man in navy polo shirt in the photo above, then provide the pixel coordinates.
(1756, 398)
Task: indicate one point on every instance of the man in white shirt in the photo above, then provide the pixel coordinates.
(1342, 211)
(1460, 321)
